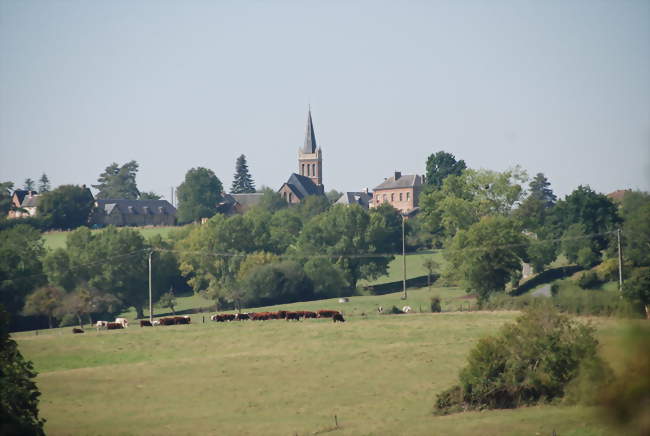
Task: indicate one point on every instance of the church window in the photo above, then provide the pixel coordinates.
(302, 173)
(400, 196)
(313, 169)
(307, 169)
(290, 197)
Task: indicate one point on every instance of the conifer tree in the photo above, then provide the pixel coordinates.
(243, 182)
(43, 184)
(29, 185)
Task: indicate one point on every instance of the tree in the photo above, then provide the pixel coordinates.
(440, 165)
(243, 182)
(271, 201)
(45, 301)
(86, 300)
(5, 198)
(168, 300)
(534, 211)
(18, 392)
(597, 213)
(579, 247)
(430, 265)
(636, 290)
(118, 182)
(487, 255)
(333, 195)
(636, 227)
(328, 279)
(43, 184)
(66, 207)
(21, 249)
(149, 196)
(29, 185)
(198, 195)
(539, 188)
(276, 283)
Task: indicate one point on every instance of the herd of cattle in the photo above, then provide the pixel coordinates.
(280, 314)
(122, 323)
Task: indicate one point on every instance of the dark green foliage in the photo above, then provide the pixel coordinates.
(271, 201)
(242, 182)
(636, 227)
(18, 392)
(29, 184)
(5, 199)
(44, 301)
(149, 196)
(276, 283)
(333, 195)
(21, 249)
(530, 361)
(440, 165)
(43, 184)
(636, 290)
(168, 300)
(198, 195)
(535, 212)
(580, 247)
(66, 207)
(588, 280)
(118, 182)
(541, 254)
(596, 213)
(436, 306)
(328, 280)
(487, 255)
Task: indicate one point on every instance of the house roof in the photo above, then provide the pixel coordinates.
(248, 200)
(310, 137)
(152, 207)
(402, 181)
(22, 193)
(31, 201)
(362, 198)
(303, 186)
(618, 195)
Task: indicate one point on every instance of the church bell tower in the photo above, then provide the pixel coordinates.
(310, 156)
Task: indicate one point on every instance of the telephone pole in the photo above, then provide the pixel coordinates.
(150, 300)
(403, 260)
(620, 261)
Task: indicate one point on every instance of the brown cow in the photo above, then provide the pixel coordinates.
(338, 317)
(182, 320)
(114, 326)
(308, 314)
(77, 330)
(292, 315)
(242, 316)
(145, 323)
(167, 321)
(326, 313)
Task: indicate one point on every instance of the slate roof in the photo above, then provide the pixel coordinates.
(303, 186)
(248, 200)
(405, 181)
(144, 207)
(361, 198)
(22, 193)
(310, 137)
(31, 201)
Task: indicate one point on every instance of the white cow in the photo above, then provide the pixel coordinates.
(406, 309)
(156, 322)
(101, 324)
(123, 321)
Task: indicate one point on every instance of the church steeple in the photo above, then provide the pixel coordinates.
(310, 136)
(310, 156)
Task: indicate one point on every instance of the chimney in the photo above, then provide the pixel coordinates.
(398, 174)
(365, 190)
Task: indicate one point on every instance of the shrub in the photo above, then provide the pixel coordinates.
(530, 361)
(395, 310)
(68, 320)
(588, 280)
(436, 306)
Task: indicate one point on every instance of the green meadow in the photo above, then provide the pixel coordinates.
(54, 240)
(373, 375)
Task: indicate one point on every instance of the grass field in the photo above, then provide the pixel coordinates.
(377, 373)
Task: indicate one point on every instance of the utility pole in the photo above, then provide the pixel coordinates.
(620, 261)
(150, 300)
(403, 260)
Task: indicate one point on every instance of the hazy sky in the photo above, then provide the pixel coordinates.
(559, 87)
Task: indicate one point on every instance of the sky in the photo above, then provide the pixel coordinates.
(558, 87)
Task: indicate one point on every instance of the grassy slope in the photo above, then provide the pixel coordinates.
(54, 240)
(378, 374)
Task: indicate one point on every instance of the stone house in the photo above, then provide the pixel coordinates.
(24, 204)
(401, 191)
(119, 212)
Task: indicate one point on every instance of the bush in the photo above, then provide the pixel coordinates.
(395, 310)
(528, 362)
(588, 280)
(436, 306)
(68, 320)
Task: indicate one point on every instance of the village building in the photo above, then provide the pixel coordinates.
(363, 198)
(120, 212)
(400, 191)
(24, 204)
(309, 180)
(238, 203)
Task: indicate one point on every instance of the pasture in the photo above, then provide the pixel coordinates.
(378, 374)
(54, 240)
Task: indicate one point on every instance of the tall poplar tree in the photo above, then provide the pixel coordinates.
(243, 182)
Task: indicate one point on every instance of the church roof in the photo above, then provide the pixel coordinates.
(303, 186)
(310, 136)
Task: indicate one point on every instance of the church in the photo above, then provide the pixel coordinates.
(309, 181)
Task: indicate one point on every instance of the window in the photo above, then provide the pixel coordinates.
(302, 173)
(290, 197)
(384, 197)
(308, 169)
(392, 197)
(400, 196)
(313, 169)
(408, 196)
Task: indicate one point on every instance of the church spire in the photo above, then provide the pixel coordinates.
(310, 137)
